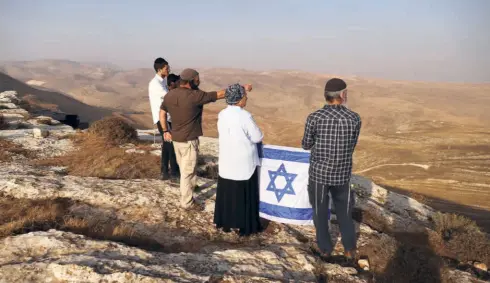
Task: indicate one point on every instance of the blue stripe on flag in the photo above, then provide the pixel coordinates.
(286, 212)
(284, 155)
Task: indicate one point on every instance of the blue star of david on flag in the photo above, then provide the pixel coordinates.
(288, 189)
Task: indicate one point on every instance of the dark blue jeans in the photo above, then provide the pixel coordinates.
(319, 200)
(168, 155)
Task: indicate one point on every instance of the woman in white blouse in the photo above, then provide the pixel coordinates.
(237, 195)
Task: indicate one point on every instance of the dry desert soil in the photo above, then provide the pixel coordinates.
(430, 140)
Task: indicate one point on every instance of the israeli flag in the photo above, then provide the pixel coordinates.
(284, 185)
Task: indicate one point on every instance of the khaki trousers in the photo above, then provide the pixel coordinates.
(186, 153)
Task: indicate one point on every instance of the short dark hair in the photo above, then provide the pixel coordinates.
(159, 64)
(172, 78)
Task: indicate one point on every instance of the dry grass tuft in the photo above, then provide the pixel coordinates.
(44, 121)
(114, 130)
(446, 224)
(9, 149)
(462, 238)
(95, 157)
(19, 216)
(405, 258)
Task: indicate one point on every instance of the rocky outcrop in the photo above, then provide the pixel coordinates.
(31, 131)
(19, 118)
(56, 256)
(187, 246)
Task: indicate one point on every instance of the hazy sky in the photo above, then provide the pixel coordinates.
(446, 40)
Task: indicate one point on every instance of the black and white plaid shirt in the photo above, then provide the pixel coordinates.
(331, 133)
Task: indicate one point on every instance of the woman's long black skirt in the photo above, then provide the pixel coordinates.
(237, 205)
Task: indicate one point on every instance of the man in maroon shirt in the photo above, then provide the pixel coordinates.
(185, 105)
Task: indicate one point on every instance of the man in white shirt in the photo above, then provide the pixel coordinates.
(157, 89)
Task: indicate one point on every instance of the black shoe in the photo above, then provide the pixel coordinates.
(224, 230)
(164, 177)
(326, 257)
(175, 180)
(175, 175)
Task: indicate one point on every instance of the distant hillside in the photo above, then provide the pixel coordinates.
(417, 137)
(54, 101)
(385, 106)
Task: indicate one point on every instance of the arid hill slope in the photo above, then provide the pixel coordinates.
(428, 138)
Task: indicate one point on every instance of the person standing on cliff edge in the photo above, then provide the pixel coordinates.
(157, 89)
(185, 105)
(331, 133)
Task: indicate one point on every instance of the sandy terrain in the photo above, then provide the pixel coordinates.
(35, 83)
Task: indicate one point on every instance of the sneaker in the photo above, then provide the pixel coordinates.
(322, 255)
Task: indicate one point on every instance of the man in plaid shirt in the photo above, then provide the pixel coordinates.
(331, 134)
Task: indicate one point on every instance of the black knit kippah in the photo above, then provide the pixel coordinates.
(335, 84)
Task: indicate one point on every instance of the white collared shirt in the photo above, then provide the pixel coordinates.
(157, 89)
(238, 138)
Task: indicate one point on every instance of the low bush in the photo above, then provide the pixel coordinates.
(95, 157)
(19, 216)
(462, 238)
(113, 130)
(9, 149)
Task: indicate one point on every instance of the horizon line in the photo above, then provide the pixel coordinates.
(346, 76)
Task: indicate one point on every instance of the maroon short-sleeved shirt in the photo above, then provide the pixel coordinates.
(185, 107)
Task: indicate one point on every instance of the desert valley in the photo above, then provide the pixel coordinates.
(429, 140)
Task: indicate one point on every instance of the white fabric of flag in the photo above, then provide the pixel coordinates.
(284, 185)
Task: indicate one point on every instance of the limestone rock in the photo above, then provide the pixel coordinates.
(20, 111)
(337, 273)
(8, 106)
(50, 146)
(128, 145)
(58, 131)
(13, 117)
(40, 133)
(480, 266)
(364, 264)
(5, 100)
(135, 151)
(458, 276)
(56, 256)
(9, 97)
(43, 120)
